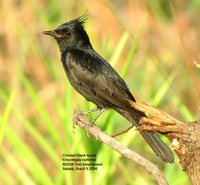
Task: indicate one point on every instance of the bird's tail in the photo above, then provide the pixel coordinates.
(157, 145)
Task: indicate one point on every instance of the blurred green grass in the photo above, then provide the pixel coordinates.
(152, 44)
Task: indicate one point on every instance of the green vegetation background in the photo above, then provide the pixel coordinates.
(153, 44)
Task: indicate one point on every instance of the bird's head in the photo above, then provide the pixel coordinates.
(71, 35)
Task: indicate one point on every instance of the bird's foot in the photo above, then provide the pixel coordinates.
(77, 116)
(95, 118)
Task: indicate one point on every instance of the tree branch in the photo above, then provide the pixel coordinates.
(185, 138)
(95, 131)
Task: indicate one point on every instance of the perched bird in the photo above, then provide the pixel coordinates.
(95, 79)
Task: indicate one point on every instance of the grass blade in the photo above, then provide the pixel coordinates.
(4, 119)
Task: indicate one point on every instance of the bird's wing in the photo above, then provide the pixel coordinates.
(93, 72)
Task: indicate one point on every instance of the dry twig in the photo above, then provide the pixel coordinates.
(95, 131)
(185, 139)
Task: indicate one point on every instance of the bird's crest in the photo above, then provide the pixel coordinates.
(76, 23)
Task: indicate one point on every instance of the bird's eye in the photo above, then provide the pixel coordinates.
(63, 33)
(67, 33)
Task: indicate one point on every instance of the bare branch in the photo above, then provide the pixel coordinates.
(185, 138)
(95, 131)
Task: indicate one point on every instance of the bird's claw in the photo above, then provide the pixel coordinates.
(76, 118)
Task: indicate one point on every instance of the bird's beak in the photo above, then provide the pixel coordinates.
(51, 33)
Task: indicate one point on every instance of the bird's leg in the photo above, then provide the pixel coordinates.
(86, 113)
(75, 119)
(89, 111)
(96, 117)
(123, 131)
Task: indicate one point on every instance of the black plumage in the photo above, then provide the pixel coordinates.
(95, 79)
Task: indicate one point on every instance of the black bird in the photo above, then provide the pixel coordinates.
(95, 79)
